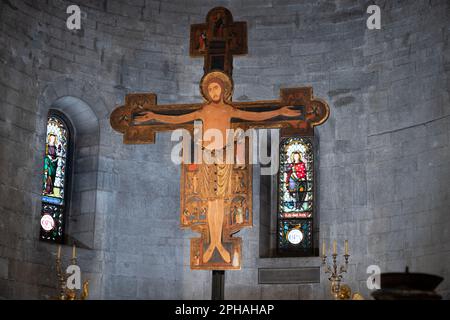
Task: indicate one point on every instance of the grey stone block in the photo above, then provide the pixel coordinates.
(4, 268)
(121, 287)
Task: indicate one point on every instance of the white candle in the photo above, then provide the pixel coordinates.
(59, 252)
(334, 247)
(346, 247)
(73, 252)
(324, 252)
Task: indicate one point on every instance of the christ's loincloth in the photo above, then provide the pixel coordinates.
(215, 185)
(215, 175)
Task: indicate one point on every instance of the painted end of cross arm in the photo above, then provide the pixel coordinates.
(121, 118)
(317, 110)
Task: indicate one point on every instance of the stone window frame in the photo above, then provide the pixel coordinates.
(268, 207)
(84, 106)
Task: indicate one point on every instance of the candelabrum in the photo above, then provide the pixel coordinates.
(61, 279)
(64, 292)
(335, 270)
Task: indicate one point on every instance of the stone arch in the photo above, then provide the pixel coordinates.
(64, 86)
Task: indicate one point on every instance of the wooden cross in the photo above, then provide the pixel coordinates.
(314, 112)
(140, 118)
(218, 40)
(216, 199)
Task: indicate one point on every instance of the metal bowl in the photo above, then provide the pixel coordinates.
(409, 281)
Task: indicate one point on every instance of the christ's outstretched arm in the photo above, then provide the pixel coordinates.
(149, 115)
(265, 115)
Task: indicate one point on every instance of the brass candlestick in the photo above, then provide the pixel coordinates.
(336, 271)
(71, 294)
(64, 292)
(61, 279)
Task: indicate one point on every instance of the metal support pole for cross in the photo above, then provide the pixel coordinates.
(218, 285)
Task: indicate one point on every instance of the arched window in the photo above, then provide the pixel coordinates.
(296, 196)
(56, 177)
(288, 216)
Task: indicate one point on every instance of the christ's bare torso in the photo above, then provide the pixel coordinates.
(216, 118)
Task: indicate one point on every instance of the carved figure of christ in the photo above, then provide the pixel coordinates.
(216, 114)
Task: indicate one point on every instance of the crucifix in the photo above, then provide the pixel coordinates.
(218, 40)
(216, 196)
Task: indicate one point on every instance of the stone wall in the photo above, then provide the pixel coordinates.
(384, 152)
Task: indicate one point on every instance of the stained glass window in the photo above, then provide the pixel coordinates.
(296, 196)
(54, 179)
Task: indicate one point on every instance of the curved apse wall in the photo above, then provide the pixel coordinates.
(384, 152)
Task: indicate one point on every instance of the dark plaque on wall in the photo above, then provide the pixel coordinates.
(288, 275)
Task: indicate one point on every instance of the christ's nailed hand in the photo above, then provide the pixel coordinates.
(288, 112)
(144, 117)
